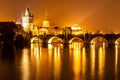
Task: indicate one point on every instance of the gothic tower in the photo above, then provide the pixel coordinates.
(27, 20)
(46, 22)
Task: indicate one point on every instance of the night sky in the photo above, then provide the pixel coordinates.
(91, 15)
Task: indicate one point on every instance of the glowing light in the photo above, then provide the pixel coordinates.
(76, 38)
(84, 61)
(117, 41)
(98, 41)
(25, 65)
(75, 27)
(92, 60)
(35, 40)
(46, 23)
(116, 60)
(93, 33)
(76, 63)
(101, 61)
(55, 39)
(57, 63)
(36, 50)
(42, 31)
(75, 54)
(50, 46)
(27, 20)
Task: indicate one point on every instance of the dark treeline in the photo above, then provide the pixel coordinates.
(7, 33)
(11, 34)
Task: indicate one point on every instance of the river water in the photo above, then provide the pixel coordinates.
(61, 62)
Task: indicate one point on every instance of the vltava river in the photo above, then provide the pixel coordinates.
(59, 62)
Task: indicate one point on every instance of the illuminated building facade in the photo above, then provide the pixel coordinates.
(46, 22)
(27, 21)
(76, 29)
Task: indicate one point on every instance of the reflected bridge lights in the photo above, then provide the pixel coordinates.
(55, 41)
(36, 40)
(76, 43)
(99, 42)
(117, 42)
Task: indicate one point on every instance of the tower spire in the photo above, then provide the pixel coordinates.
(46, 22)
(27, 19)
(27, 5)
(46, 14)
(27, 12)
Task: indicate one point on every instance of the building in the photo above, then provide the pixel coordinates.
(45, 25)
(45, 28)
(27, 20)
(76, 29)
(46, 22)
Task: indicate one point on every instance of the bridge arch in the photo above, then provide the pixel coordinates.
(55, 39)
(76, 38)
(76, 43)
(117, 41)
(35, 39)
(99, 39)
(99, 42)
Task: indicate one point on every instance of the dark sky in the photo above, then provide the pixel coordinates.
(91, 15)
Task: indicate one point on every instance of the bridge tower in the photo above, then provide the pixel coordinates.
(45, 24)
(27, 19)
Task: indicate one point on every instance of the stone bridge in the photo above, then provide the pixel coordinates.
(67, 38)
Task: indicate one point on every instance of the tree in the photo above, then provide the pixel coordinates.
(7, 33)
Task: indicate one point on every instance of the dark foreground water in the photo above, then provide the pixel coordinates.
(58, 62)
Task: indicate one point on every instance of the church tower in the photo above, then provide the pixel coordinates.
(46, 22)
(27, 20)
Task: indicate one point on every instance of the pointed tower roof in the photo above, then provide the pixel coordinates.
(46, 14)
(46, 22)
(27, 12)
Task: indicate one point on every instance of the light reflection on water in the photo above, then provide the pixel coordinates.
(58, 62)
(116, 62)
(92, 59)
(101, 57)
(25, 67)
(75, 54)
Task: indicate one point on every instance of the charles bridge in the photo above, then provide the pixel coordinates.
(86, 38)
